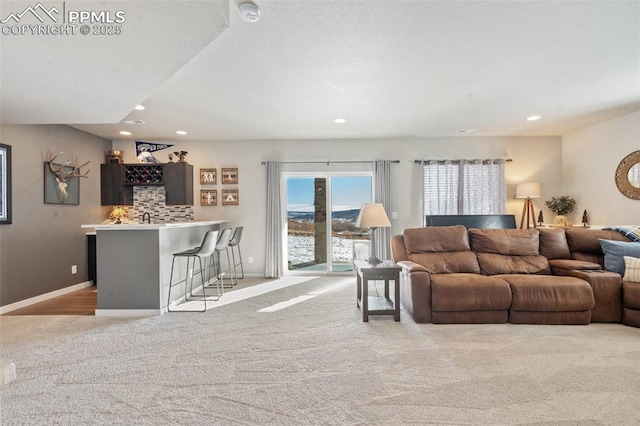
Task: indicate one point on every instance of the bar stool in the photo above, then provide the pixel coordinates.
(235, 243)
(223, 245)
(204, 251)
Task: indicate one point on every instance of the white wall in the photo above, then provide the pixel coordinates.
(534, 159)
(590, 158)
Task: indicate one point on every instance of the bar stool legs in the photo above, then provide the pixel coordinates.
(223, 245)
(235, 243)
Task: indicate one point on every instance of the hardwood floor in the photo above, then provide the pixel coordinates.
(80, 302)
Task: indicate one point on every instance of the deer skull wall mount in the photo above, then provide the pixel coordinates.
(64, 172)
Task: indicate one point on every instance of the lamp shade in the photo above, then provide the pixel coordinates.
(372, 216)
(118, 213)
(528, 190)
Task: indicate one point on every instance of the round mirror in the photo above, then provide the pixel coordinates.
(628, 176)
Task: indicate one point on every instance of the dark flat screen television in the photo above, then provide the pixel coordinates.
(480, 221)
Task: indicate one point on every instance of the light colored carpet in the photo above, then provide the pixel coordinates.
(314, 362)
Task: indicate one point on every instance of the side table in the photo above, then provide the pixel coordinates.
(372, 305)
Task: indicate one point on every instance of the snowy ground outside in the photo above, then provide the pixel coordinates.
(301, 249)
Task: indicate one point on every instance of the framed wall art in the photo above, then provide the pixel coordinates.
(229, 197)
(5, 184)
(208, 177)
(229, 175)
(208, 197)
(61, 187)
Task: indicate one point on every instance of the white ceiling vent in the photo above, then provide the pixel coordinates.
(249, 12)
(134, 122)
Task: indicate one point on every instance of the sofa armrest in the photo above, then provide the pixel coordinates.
(564, 266)
(409, 266)
(607, 292)
(415, 291)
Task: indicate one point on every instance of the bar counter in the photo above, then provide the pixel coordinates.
(133, 263)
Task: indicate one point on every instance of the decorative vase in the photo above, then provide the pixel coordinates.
(560, 220)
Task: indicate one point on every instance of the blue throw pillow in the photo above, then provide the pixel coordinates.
(614, 252)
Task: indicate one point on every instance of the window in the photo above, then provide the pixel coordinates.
(464, 187)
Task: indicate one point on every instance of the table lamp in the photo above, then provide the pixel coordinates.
(117, 213)
(373, 216)
(528, 191)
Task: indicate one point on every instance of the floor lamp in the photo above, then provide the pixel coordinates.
(528, 191)
(373, 216)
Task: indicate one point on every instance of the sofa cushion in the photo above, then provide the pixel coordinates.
(448, 262)
(535, 293)
(512, 242)
(513, 251)
(553, 243)
(469, 292)
(632, 269)
(441, 249)
(614, 251)
(493, 264)
(436, 239)
(584, 244)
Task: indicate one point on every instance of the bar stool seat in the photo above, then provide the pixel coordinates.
(203, 252)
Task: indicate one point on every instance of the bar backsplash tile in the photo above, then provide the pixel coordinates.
(152, 199)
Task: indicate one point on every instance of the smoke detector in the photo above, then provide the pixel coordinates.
(249, 12)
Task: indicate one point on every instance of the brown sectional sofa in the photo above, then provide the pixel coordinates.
(534, 276)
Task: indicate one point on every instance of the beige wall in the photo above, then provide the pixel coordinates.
(44, 240)
(590, 158)
(38, 249)
(534, 159)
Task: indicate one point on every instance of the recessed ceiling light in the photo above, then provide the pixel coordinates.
(181, 132)
(138, 107)
(125, 133)
(465, 130)
(339, 120)
(534, 118)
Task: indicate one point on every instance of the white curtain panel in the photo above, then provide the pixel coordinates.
(484, 187)
(274, 259)
(464, 187)
(440, 188)
(382, 185)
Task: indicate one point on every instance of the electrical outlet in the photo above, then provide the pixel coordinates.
(250, 259)
(74, 269)
(394, 215)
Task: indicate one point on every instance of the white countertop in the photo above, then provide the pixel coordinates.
(150, 226)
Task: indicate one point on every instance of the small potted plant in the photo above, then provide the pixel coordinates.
(561, 206)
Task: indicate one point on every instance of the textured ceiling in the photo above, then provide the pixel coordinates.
(390, 68)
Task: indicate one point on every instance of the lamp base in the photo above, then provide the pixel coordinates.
(373, 260)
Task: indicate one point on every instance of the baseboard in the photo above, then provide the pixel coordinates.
(128, 312)
(43, 297)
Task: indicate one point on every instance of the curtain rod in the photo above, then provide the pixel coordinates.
(325, 162)
(507, 160)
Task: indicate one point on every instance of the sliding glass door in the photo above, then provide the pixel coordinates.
(322, 209)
